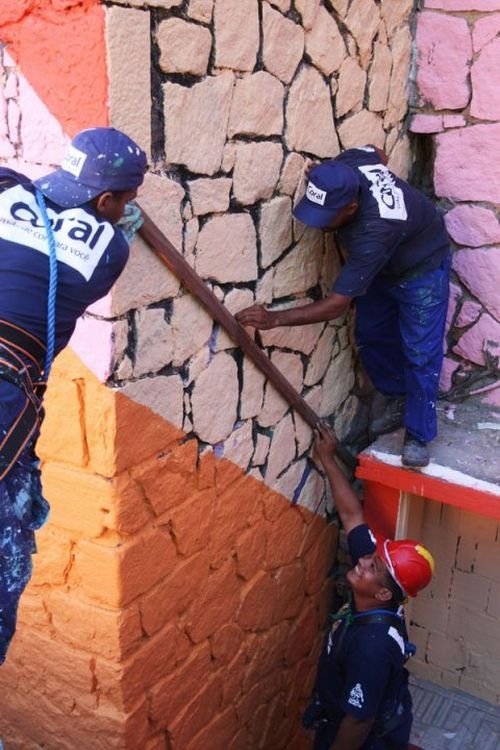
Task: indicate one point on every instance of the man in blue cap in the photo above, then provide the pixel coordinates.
(397, 271)
(63, 243)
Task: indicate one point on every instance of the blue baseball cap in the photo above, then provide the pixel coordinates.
(332, 185)
(97, 160)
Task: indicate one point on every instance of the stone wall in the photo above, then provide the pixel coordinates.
(457, 112)
(181, 587)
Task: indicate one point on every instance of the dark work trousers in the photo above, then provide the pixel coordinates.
(22, 510)
(400, 336)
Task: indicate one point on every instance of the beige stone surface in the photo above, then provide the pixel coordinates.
(155, 346)
(252, 392)
(380, 77)
(236, 31)
(191, 327)
(351, 89)
(198, 363)
(162, 394)
(321, 357)
(288, 482)
(201, 10)
(340, 6)
(309, 116)
(128, 45)
(283, 44)
(355, 129)
(338, 382)
(300, 269)
(184, 47)
(297, 338)
(261, 450)
(191, 232)
(303, 434)
(264, 288)
(196, 121)
(362, 20)
(256, 171)
(239, 447)
(283, 5)
(398, 90)
(312, 495)
(308, 10)
(234, 301)
(209, 195)
(282, 450)
(395, 14)
(161, 198)
(145, 280)
(257, 106)
(275, 406)
(325, 44)
(291, 173)
(228, 157)
(215, 399)
(400, 157)
(226, 249)
(275, 229)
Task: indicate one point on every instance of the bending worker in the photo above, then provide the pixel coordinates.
(361, 699)
(397, 270)
(61, 249)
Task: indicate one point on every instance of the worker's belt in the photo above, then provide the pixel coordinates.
(21, 357)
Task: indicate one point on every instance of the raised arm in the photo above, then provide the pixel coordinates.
(347, 503)
(329, 308)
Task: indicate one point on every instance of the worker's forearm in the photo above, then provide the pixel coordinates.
(326, 309)
(347, 503)
(352, 733)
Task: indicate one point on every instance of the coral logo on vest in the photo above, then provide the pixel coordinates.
(80, 238)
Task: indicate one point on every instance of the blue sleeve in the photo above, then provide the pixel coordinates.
(361, 541)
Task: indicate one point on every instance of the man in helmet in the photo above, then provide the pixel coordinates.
(63, 244)
(397, 271)
(361, 699)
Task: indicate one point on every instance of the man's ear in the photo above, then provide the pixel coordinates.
(101, 203)
(351, 208)
(384, 594)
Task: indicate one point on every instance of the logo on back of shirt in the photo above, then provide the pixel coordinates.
(81, 239)
(389, 197)
(356, 697)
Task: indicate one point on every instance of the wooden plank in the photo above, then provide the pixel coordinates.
(194, 284)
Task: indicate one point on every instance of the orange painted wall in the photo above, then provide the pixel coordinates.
(60, 47)
(173, 596)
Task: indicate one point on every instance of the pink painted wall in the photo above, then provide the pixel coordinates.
(458, 107)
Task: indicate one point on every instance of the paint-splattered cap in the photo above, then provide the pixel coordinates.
(97, 160)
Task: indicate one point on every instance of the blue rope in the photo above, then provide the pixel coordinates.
(51, 300)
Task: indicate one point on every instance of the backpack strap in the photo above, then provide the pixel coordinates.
(387, 617)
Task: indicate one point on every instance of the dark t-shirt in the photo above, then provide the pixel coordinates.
(396, 233)
(91, 254)
(361, 668)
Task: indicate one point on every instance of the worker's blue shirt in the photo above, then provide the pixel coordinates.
(361, 668)
(91, 254)
(396, 233)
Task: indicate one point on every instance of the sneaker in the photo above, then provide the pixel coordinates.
(415, 452)
(389, 416)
